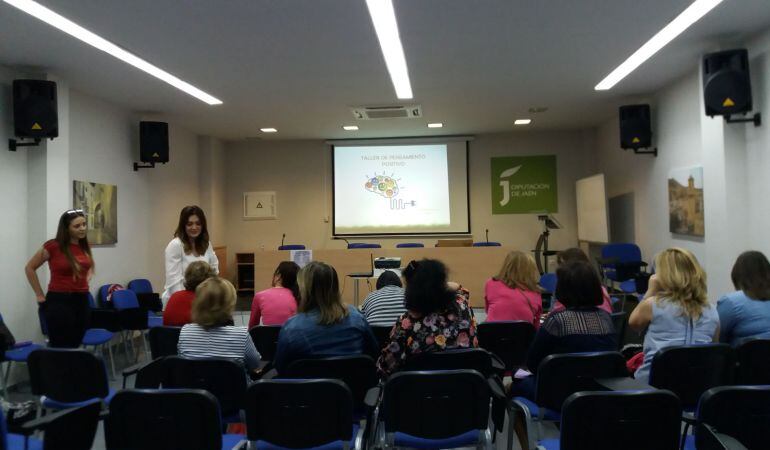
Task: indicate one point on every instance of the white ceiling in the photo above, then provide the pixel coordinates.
(299, 65)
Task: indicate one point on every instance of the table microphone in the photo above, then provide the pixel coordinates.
(342, 239)
(487, 230)
(282, 238)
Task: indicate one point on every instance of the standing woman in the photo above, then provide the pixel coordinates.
(65, 307)
(190, 243)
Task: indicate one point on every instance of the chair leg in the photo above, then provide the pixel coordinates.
(112, 358)
(146, 350)
(5, 379)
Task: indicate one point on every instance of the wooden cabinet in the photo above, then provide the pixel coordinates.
(244, 276)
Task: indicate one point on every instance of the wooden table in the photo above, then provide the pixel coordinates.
(469, 266)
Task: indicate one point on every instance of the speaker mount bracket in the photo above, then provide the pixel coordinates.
(653, 151)
(757, 119)
(138, 166)
(13, 144)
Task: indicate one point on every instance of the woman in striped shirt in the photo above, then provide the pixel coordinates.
(385, 305)
(212, 335)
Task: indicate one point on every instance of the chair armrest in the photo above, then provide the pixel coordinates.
(714, 440)
(241, 445)
(689, 417)
(41, 423)
(496, 388)
(133, 370)
(272, 373)
(497, 364)
(21, 344)
(372, 397)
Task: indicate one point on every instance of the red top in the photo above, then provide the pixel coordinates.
(62, 277)
(179, 309)
(504, 303)
(274, 306)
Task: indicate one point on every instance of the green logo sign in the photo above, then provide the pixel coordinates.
(524, 185)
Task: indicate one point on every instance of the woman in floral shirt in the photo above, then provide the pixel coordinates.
(438, 317)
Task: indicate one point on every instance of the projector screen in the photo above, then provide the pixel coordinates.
(406, 188)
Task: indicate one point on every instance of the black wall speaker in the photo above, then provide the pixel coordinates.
(34, 109)
(727, 83)
(153, 142)
(635, 131)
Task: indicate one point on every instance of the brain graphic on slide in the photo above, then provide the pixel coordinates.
(383, 185)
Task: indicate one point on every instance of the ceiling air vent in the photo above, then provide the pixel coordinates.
(387, 112)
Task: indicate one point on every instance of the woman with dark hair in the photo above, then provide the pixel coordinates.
(65, 307)
(746, 313)
(190, 243)
(437, 316)
(276, 305)
(385, 305)
(323, 326)
(575, 254)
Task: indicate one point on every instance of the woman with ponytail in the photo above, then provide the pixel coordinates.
(65, 306)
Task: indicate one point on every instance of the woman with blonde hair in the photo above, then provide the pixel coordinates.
(675, 310)
(323, 326)
(514, 294)
(211, 333)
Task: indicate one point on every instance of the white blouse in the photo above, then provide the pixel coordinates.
(177, 262)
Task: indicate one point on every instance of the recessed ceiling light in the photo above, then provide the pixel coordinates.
(386, 27)
(435, 125)
(689, 16)
(62, 23)
(522, 121)
(350, 127)
(268, 130)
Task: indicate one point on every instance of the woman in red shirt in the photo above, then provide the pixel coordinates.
(65, 307)
(179, 308)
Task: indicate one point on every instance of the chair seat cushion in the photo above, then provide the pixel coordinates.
(689, 442)
(16, 442)
(337, 445)
(97, 336)
(55, 404)
(467, 439)
(534, 410)
(549, 444)
(22, 353)
(231, 440)
(154, 321)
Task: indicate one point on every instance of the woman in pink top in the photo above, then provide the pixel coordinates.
(275, 305)
(514, 294)
(576, 254)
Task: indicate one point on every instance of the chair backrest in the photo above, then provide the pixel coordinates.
(74, 429)
(140, 286)
(92, 301)
(382, 334)
(105, 292)
(265, 338)
(299, 413)
(409, 245)
(561, 375)
(164, 341)
(67, 375)
(619, 322)
(753, 362)
(510, 341)
(358, 372)
(172, 419)
(690, 370)
(435, 404)
(291, 247)
(742, 412)
(355, 245)
(487, 244)
(623, 252)
(548, 282)
(476, 359)
(633, 420)
(223, 378)
(124, 299)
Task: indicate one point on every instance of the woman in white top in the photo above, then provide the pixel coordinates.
(190, 243)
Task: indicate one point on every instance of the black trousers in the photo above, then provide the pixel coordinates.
(67, 316)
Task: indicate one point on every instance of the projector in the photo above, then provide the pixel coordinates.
(382, 264)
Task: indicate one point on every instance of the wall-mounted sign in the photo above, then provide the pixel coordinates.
(524, 185)
(260, 205)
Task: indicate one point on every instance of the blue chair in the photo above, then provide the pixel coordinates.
(548, 282)
(357, 245)
(632, 420)
(133, 318)
(140, 286)
(96, 337)
(71, 429)
(19, 352)
(487, 244)
(409, 245)
(169, 418)
(621, 262)
(68, 378)
(291, 247)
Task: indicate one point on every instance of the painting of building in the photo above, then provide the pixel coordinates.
(685, 202)
(100, 204)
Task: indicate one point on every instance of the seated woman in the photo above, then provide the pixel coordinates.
(675, 310)
(746, 313)
(514, 294)
(179, 306)
(576, 254)
(324, 326)
(274, 306)
(437, 317)
(211, 334)
(385, 305)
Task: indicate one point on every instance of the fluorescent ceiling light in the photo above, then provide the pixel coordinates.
(689, 16)
(522, 121)
(268, 130)
(46, 15)
(435, 125)
(350, 127)
(384, 20)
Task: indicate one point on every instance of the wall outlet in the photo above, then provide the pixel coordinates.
(326, 219)
(262, 247)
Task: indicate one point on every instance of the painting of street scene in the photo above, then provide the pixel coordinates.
(685, 202)
(100, 204)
